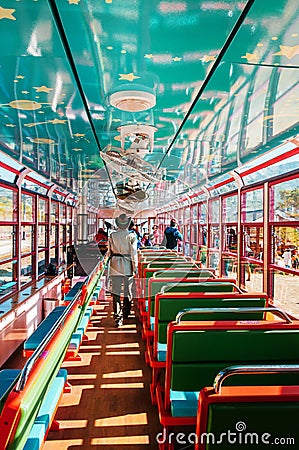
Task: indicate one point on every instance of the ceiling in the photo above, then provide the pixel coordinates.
(223, 76)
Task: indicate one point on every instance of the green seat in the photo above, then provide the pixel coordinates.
(199, 286)
(200, 351)
(168, 307)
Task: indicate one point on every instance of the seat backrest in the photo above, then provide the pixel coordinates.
(167, 307)
(197, 351)
(146, 263)
(184, 273)
(199, 285)
(256, 414)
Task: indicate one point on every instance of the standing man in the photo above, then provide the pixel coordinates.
(122, 252)
(172, 236)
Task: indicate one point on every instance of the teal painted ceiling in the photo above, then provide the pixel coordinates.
(224, 75)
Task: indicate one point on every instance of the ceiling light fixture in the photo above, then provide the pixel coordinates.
(132, 101)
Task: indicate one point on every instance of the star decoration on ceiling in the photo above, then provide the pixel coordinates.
(127, 76)
(25, 92)
(148, 55)
(208, 58)
(251, 57)
(43, 89)
(55, 121)
(42, 140)
(21, 77)
(288, 51)
(176, 58)
(74, 2)
(6, 13)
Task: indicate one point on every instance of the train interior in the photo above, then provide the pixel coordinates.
(160, 110)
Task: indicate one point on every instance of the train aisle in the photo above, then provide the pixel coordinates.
(109, 406)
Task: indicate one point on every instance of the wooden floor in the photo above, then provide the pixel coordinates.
(109, 406)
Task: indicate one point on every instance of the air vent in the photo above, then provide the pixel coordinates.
(132, 101)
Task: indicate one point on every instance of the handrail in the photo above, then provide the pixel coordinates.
(250, 369)
(276, 311)
(187, 270)
(203, 281)
(33, 358)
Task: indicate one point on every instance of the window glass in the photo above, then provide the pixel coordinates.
(41, 263)
(53, 235)
(229, 266)
(230, 241)
(276, 169)
(62, 234)
(285, 109)
(7, 242)
(230, 150)
(286, 287)
(230, 209)
(253, 242)
(202, 213)
(252, 274)
(285, 247)
(252, 206)
(27, 208)
(26, 269)
(54, 212)
(53, 258)
(26, 239)
(7, 283)
(30, 185)
(63, 213)
(7, 175)
(194, 224)
(6, 204)
(255, 116)
(214, 164)
(69, 214)
(285, 201)
(41, 236)
(42, 210)
(214, 250)
(214, 211)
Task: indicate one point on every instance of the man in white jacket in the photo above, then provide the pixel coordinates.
(122, 252)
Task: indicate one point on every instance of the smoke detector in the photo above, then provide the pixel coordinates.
(141, 137)
(132, 101)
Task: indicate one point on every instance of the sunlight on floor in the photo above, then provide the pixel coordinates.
(122, 386)
(125, 345)
(86, 360)
(62, 445)
(82, 376)
(126, 419)
(125, 374)
(121, 440)
(121, 353)
(122, 331)
(70, 424)
(75, 397)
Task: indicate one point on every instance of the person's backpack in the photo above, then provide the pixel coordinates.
(51, 270)
(171, 237)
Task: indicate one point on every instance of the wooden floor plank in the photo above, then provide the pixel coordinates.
(109, 406)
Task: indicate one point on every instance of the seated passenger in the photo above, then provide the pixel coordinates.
(102, 240)
(145, 241)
